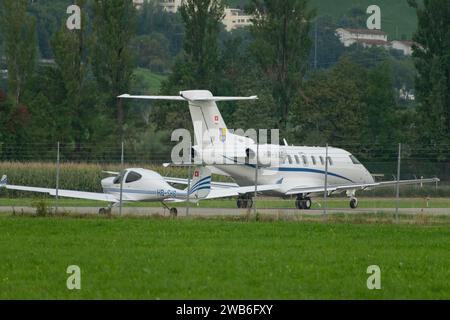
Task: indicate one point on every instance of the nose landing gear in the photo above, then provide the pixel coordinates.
(244, 202)
(353, 203)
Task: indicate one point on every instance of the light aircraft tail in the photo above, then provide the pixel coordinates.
(205, 115)
(200, 183)
(3, 181)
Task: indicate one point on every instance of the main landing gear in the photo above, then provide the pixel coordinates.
(244, 202)
(353, 203)
(303, 202)
(104, 211)
(353, 199)
(173, 211)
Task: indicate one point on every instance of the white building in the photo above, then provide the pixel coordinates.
(168, 5)
(138, 3)
(171, 5)
(236, 18)
(366, 37)
(404, 46)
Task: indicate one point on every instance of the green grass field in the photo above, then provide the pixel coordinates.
(219, 259)
(152, 80)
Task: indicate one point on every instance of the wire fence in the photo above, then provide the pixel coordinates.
(80, 168)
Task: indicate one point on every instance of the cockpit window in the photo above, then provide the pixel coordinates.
(133, 177)
(119, 178)
(354, 160)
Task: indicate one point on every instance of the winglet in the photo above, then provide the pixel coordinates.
(4, 181)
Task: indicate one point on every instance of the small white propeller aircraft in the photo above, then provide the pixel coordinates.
(303, 172)
(137, 185)
(149, 186)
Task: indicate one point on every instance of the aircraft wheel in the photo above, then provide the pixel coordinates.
(299, 204)
(173, 212)
(102, 211)
(239, 203)
(353, 203)
(307, 203)
(249, 203)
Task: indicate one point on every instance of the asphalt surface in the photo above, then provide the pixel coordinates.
(211, 212)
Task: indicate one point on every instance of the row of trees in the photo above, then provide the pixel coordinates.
(350, 101)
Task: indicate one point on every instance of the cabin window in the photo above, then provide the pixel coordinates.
(289, 159)
(354, 160)
(305, 160)
(297, 159)
(133, 177)
(313, 160)
(321, 160)
(330, 161)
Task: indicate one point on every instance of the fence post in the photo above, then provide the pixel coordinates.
(57, 177)
(256, 175)
(325, 195)
(121, 180)
(188, 204)
(398, 181)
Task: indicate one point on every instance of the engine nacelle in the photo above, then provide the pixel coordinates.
(268, 155)
(217, 155)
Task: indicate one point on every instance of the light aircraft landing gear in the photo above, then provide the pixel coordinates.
(244, 202)
(353, 203)
(173, 211)
(104, 211)
(303, 202)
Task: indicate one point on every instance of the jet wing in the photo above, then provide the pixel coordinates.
(216, 193)
(331, 189)
(213, 184)
(65, 193)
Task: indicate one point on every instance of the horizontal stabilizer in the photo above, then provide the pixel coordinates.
(187, 97)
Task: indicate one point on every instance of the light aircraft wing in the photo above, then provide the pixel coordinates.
(331, 189)
(61, 192)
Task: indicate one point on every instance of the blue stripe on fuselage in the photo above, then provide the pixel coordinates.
(286, 169)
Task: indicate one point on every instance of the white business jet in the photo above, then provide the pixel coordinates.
(303, 172)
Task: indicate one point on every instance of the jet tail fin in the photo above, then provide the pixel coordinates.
(200, 183)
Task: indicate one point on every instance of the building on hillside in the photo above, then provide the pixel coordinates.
(167, 5)
(364, 36)
(236, 18)
(405, 46)
(233, 19)
(372, 38)
(138, 3)
(171, 5)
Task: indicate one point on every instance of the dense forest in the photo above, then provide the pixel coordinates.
(62, 84)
